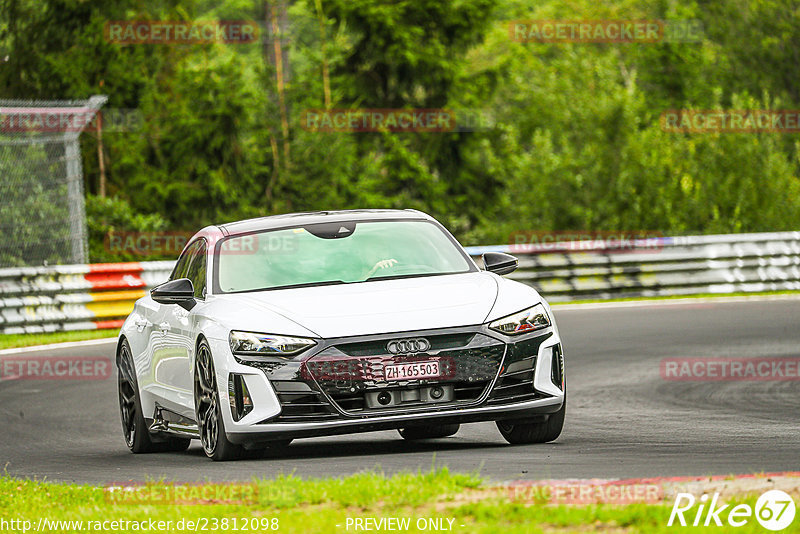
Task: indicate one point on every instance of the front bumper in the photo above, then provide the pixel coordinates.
(322, 391)
(275, 431)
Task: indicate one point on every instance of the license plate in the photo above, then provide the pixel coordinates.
(410, 371)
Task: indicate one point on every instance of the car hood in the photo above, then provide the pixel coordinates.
(366, 308)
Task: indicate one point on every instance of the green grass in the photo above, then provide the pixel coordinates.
(324, 505)
(674, 297)
(8, 341)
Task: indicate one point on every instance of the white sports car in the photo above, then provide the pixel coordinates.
(314, 324)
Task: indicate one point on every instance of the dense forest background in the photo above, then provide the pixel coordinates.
(574, 142)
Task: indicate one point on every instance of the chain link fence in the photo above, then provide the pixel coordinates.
(42, 214)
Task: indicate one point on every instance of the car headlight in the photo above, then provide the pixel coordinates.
(529, 320)
(255, 344)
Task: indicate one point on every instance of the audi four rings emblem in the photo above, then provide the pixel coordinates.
(408, 346)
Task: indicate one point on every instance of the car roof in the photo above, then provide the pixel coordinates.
(315, 217)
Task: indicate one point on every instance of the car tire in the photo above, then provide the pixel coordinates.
(134, 428)
(522, 432)
(208, 410)
(416, 432)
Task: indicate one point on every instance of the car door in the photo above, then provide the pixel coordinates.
(170, 366)
(148, 325)
(177, 327)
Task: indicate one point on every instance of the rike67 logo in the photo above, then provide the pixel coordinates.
(774, 511)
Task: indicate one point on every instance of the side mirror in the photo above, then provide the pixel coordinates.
(499, 263)
(180, 292)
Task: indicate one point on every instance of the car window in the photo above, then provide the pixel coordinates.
(197, 269)
(350, 252)
(183, 262)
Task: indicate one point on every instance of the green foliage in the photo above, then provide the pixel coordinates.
(37, 193)
(576, 144)
(105, 216)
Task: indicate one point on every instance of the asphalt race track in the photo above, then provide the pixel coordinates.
(623, 419)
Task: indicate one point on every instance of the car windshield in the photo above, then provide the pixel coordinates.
(336, 253)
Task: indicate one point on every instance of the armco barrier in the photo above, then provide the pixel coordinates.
(77, 297)
(74, 297)
(658, 266)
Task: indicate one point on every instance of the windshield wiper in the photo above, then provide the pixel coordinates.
(292, 286)
(399, 276)
(311, 284)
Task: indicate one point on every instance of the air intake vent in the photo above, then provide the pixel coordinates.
(557, 369)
